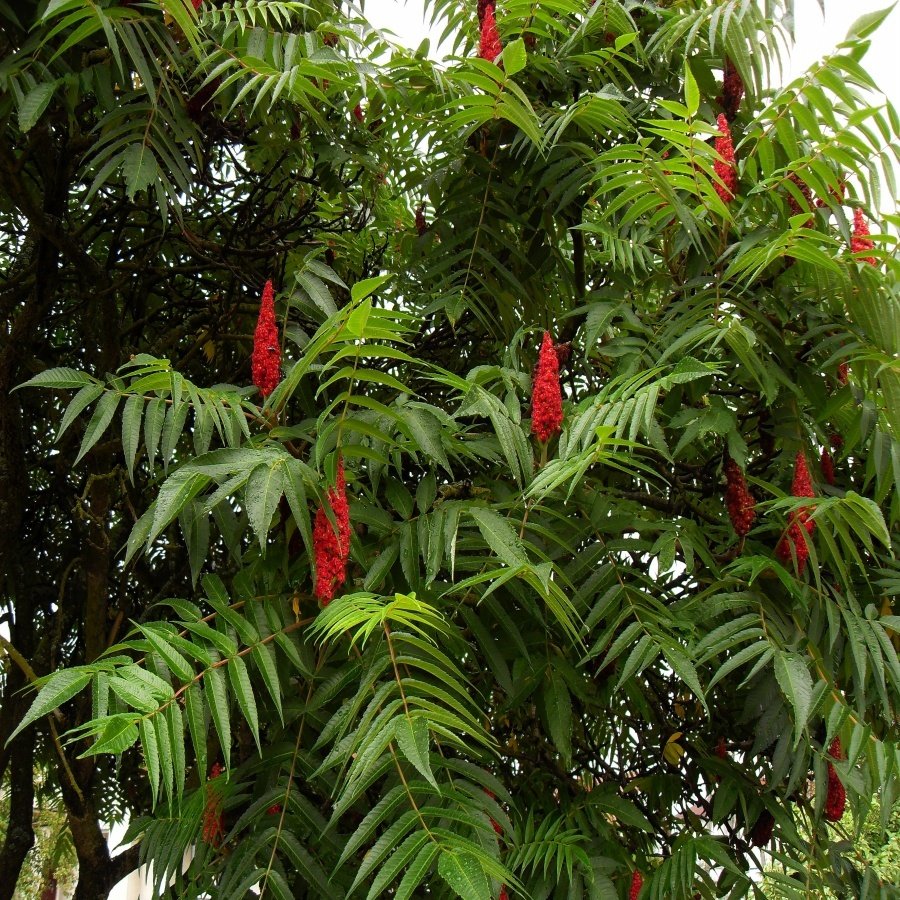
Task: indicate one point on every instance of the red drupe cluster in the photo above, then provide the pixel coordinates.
(836, 796)
(266, 361)
(546, 395)
(725, 167)
(795, 538)
(213, 820)
(490, 47)
(732, 90)
(738, 499)
(637, 882)
(761, 832)
(332, 547)
(860, 242)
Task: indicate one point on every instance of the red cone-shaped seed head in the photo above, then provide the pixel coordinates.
(794, 538)
(266, 362)
(801, 486)
(739, 502)
(546, 395)
(490, 47)
(721, 748)
(761, 833)
(421, 223)
(732, 89)
(803, 187)
(860, 241)
(331, 544)
(725, 167)
(637, 882)
(800, 522)
(843, 373)
(503, 895)
(213, 821)
(482, 9)
(836, 797)
(197, 3)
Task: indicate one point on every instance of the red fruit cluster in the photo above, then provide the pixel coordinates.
(794, 206)
(266, 363)
(761, 832)
(358, 113)
(332, 548)
(196, 107)
(801, 486)
(197, 3)
(836, 798)
(421, 224)
(482, 9)
(490, 47)
(843, 373)
(213, 820)
(725, 167)
(721, 748)
(274, 809)
(503, 895)
(637, 882)
(837, 194)
(732, 90)
(494, 824)
(860, 241)
(738, 499)
(546, 394)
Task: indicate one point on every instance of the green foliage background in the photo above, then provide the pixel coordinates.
(549, 640)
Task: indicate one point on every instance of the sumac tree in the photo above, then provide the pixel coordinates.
(469, 478)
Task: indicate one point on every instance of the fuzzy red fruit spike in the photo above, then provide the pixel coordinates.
(860, 241)
(266, 363)
(482, 9)
(843, 373)
(721, 748)
(725, 167)
(213, 821)
(421, 224)
(490, 47)
(332, 548)
(836, 797)
(274, 809)
(761, 833)
(199, 103)
(836, 441)
(503, 895)
(732, 89)
(795, 538)
(801, 485)
(738, 499)
(358, 113)
(546, 395)
(795, 207)
(197, 3)
(827, 466)
(637, 882)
